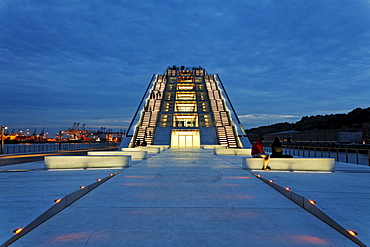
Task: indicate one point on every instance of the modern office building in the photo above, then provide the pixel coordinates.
(186, 107)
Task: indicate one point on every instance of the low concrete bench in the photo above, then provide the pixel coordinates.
(212, 146)
(233, 151)
(150, 150)
(135, 155)
(88, 161)
(291, 164)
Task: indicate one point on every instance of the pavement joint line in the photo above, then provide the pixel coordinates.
(309, 207)
(219, 156)
(58, 207)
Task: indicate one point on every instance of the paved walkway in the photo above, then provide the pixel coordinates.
(180, 197)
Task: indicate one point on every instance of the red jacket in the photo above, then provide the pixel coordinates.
(257, 147)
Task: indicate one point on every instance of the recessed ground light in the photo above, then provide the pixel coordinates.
(18, 230)
(312, 202)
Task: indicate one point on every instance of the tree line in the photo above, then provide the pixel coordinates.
(351, 120)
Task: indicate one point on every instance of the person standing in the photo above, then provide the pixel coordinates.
(258, 152)
(138, 143)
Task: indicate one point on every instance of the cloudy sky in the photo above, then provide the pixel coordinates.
(66, 61)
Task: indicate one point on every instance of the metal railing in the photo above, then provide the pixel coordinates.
(130, 132)
(347, 155)
(53, 147)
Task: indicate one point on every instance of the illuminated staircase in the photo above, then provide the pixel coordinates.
(226, 132)
(146, 127)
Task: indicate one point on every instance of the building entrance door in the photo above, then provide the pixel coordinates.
(185, 138)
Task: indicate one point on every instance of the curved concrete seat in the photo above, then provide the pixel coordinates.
(89, 161)
(149, 149)
(291, 164)
(135, 155)
(233, 151)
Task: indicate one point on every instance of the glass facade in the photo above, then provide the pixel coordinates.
(185, 96)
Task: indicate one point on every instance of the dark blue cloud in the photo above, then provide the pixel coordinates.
(90, 62)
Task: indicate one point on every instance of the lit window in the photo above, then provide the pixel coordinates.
(185, 72)
(185, 96)
(186, 79)
(202, 106)
(198, 79)
(168, 106)
(185, 120)
(186, 106)
(188, 86)
(172, 79)
(200, 87)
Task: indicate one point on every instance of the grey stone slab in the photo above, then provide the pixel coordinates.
(183, 227)
(344, 196)
(26, 195)
(184, 198)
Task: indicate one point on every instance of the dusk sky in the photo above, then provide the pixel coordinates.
(68, 61)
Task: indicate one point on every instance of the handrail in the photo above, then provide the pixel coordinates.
(231, 105)
(337, 152)
(138, 108)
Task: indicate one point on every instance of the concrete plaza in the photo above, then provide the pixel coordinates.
(184, 197)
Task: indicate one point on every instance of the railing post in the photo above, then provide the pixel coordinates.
(346, 155)
(337, 155)
(357, 157)
(60, 140)
(368, 157)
